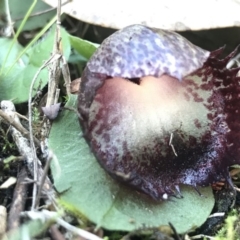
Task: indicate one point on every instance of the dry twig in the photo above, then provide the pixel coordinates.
(26, 151)
(46, 215)
(18, 202)
(44, 175)
(52, 86)
(54, 69)
(55, 233)
(32, 146)
(3, 220)
(18, 126)
(8, 31)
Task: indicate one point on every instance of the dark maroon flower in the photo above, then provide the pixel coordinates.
(158, 111)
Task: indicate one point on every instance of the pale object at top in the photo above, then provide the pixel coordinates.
(178, 15)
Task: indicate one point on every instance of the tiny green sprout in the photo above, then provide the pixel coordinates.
(227, 231)
(36, 114)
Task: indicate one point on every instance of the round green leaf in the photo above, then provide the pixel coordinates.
(85, 185)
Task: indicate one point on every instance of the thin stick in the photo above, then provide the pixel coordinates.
(170, 144)
(200, 236)
(78, 231)
(19, 199)
(47, 215)
(66, 75)
(35, 176)
(55, 233)
(54, 71)
(176, 235)
(25, 150)
(32, 145)
(18, 126)
(56, 96)
(3, 220)
(45, 171)
(9, 31)
(219, 214)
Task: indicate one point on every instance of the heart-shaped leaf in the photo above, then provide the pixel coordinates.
(89, 189)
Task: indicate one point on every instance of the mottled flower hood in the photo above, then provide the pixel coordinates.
(158, 111)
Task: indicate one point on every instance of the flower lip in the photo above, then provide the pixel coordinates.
(160, 132)
(137, 51)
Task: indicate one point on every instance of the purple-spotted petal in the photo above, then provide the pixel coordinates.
(177, 123)
(137, 51)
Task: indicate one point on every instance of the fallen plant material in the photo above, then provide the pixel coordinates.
(23, 145)
(9, 182)
(55, 233)
(19, 200)
(223, 203)
(158, 111)
(75, 85)
(51, 216)
(3, 220)
(17, 125)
